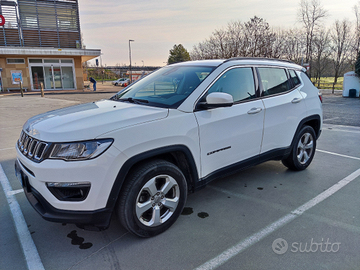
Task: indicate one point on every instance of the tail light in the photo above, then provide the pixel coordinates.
(320, 97)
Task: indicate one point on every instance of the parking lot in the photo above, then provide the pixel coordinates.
(265, 217)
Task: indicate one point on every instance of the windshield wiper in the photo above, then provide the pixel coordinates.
(134, 100)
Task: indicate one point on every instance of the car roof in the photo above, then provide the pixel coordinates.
(211, 63)
(242, 61)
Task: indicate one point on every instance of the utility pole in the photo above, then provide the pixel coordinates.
(130, 60)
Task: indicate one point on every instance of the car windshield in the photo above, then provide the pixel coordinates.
(167, 87)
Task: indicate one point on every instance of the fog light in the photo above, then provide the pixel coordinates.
(69, 191)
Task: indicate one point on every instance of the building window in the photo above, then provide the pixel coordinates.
(15, 60)
(51, 61)
(66, 61)
(35, 61)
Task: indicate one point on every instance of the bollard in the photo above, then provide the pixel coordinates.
(21, 90)
(42, 89)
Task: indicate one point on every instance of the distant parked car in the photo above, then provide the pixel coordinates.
(124, 83)
(119, 81)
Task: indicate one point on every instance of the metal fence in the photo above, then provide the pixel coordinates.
(41, 23)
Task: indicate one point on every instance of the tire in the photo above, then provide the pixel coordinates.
(116, 84)
(152, 198)
(303, 150)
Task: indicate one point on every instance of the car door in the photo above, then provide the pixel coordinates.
(230, 135)
(284, 108)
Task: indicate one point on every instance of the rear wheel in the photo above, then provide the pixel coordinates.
(303, 150)
(152, 199)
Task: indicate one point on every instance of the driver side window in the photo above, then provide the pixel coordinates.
(238, 82)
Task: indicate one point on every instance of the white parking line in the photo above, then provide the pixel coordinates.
(13, 192)
(249, 241)
(10, 148)
(28, 247)
(336, 154)
(10, 127)
(330, 119)
(341, 128)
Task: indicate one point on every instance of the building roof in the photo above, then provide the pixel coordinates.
(86, 54)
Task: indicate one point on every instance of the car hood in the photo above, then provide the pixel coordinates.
(90, 120)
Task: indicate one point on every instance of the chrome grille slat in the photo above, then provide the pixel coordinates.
(26, 145)
(31, 147)
(41, 148)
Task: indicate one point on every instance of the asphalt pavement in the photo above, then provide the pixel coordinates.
(265, 217)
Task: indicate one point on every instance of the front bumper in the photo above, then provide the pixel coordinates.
(92, 220)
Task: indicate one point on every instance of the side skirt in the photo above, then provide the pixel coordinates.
(277, 154)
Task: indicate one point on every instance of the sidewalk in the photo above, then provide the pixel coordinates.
(105, 87)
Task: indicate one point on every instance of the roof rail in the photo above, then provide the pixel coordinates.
(258, 58)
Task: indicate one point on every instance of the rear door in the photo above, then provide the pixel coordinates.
(284, 108)
(232, 134)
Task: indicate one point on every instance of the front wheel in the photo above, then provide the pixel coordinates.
(152, 199)
(303, 150)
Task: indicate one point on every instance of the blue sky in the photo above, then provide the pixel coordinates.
(157, 25)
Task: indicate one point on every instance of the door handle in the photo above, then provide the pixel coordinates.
(254, 110)
(296, 100)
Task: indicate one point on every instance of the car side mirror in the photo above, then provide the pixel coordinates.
(217, 100)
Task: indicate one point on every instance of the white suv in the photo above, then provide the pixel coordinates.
(141, 152)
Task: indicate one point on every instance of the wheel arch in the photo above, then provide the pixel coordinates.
(313, 121)
(179, 155)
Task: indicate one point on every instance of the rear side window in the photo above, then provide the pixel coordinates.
(274, 80)
(238, 82)
(294, 78)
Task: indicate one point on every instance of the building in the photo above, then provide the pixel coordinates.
(40, 43)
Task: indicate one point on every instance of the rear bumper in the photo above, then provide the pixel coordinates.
(91, 220)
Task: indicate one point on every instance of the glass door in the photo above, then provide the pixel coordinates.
(53, 77)
(55, 74)
(57, 77)
(37, 74)
(49, 82)
(67, 77)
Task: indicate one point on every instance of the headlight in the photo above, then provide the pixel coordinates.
(80, 150)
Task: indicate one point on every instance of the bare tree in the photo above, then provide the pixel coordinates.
(357, 28)
(253, 38)
(294, 44)
(311, 14)
(322, 52)
(235, 31)
(278, 44)
(216, 47)
(258, 38)
(341, 38)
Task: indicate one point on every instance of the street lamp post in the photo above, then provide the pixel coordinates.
(130, 59)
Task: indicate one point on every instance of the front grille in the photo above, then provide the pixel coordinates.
(32, 148)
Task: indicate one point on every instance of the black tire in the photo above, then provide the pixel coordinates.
(116, 84)
(303, 150)
(152, 198)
